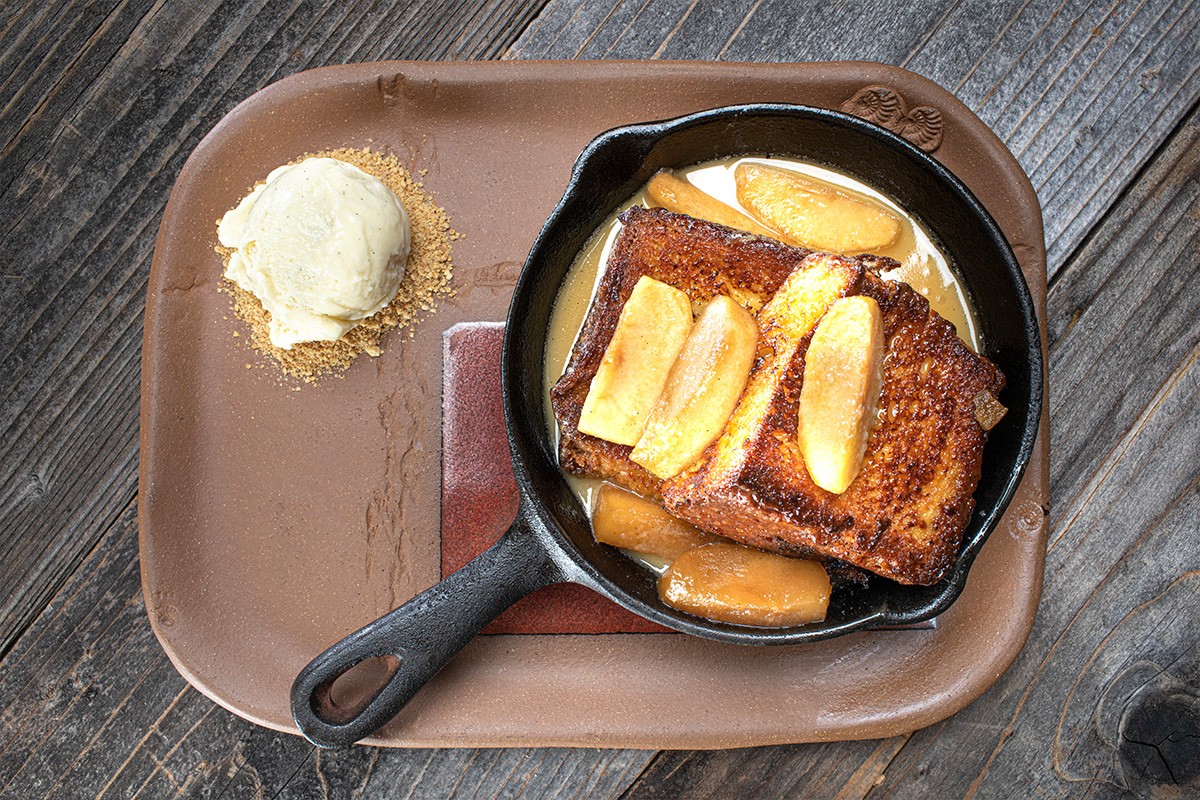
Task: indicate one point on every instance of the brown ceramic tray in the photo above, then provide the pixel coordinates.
(275, 519)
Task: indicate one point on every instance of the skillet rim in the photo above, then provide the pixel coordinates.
(577, 567)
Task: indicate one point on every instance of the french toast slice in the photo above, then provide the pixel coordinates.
(904, 514)
(701, 258)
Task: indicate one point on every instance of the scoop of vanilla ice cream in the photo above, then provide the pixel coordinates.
(321, 244)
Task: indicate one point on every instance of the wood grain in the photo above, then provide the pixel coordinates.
(1123, 481)
(1082, 92)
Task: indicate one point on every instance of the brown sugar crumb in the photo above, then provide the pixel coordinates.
(427, 275)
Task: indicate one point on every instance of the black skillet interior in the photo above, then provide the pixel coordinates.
(609, 171)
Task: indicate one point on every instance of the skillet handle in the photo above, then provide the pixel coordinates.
(413, 642)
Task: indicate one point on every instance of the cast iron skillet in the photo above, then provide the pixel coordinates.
(551, 541)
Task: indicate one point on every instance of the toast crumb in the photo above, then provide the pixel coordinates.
(427, 276)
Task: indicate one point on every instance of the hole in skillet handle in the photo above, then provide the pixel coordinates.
(356, 686)
(341, 699)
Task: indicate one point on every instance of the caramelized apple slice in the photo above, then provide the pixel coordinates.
(814, 213)
(988, 410)
(653, 326)
(843, 376)
(668, 190)
(738, 584)
(624, 519)
(701, 391)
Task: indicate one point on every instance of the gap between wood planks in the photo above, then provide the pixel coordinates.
(107, 528)
(1151, 159)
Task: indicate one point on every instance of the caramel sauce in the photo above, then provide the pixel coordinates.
(922, 265)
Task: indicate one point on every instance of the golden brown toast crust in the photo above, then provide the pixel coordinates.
(904, 515)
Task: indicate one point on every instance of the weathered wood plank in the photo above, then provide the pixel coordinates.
(91, 704)
(82, 185)
(841, 770)
(1082, 91)
(1123, 316)
(45, 60)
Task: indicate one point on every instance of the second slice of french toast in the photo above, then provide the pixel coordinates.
(904, 514)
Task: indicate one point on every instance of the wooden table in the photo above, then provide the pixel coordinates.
(100, 104)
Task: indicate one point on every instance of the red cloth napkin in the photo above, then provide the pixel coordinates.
(479, 494)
